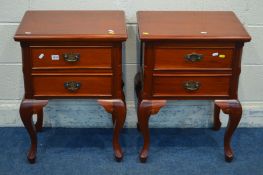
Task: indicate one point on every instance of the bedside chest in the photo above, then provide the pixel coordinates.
(189, 55)
(72, 54)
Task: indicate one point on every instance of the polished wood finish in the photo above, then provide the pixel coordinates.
(216, 85)
(186, 56)
(29, 107)
(164, 58)
(197, 25)
(49, 85)
(146, 108)
(91, 57)
(72, 26)
(96, 38)
(118, 110)
(234, 109)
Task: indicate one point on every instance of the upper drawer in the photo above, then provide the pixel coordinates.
(191, 58)
(99, 57)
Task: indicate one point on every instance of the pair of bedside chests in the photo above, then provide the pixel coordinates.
(183, 55)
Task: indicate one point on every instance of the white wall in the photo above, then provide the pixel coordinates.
(76, 113)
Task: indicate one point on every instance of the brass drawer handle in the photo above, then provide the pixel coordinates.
(71, 57)
(192, 85)
(194, 57)
(72, 86)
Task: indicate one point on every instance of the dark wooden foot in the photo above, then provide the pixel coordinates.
(146, 109)
(234, 109)
(217, 123)
(29, 107)
(118, 110)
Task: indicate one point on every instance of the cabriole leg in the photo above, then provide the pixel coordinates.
(118, 110)
(27, 109)
(146, 109)
(234, 109)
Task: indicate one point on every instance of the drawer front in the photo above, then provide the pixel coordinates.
(99, 57)
(72, 85)
(184, 58)
(191, 85)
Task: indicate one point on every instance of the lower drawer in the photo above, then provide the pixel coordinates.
(72, 85)
(191, 85)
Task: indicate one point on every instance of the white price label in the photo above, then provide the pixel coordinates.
(41, 56)
(55, 57)
(215, 54)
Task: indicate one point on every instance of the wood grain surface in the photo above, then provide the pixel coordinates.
(49, 85)
(175, 58)
(189, 55)
(211, 85)
(72, 25)
(72, 54)
(99, 57)
(190, 25)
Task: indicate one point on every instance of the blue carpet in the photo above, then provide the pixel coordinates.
(64, 151)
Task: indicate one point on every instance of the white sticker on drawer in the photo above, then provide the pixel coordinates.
(55, 57)
(215, 54)
(41, 56)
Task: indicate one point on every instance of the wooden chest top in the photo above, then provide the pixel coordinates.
(72, 25)
(189, 25)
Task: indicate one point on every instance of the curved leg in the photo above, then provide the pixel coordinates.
(27, 109)
(217, 123)
(117, 108)
(146, 109)
(234, 109)
(143, 126)
(120, 114)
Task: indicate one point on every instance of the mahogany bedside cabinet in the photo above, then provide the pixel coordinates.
(189, 55)
(72, 54)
